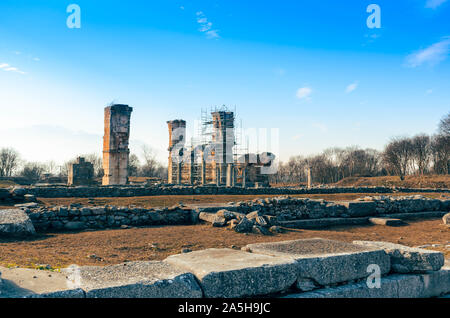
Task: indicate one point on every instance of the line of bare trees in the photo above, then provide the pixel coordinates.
(421, 154)
(11, 164)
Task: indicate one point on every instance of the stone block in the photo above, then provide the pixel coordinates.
(360, 208)
(446, 219)
(138, 280)
(325, 261)
(30, 283)
(228, 273)
(15, 223)
(432, 284)
(406, 259)
(386, 221)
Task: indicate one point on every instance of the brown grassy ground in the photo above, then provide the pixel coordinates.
(156, 243)
(426, 181)
(169, 200)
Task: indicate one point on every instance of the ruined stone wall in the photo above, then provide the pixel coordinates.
(80, 173)
(274, 211)
(115, 144)
(17, 193)
(77, 217)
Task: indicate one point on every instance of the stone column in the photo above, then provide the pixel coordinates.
(203, 171)
(244, 176)
(229, 174)
(308, 172)
(179, 172)
(115, 144)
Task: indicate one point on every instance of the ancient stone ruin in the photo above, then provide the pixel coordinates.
(214, 159)
(309, 268)
(115, 144)
(80, 173)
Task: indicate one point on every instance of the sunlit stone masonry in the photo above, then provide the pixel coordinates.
(115, 144)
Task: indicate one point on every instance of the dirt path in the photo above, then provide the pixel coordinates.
(156, 243)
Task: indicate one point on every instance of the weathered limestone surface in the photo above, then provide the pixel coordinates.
(15, 222)
(228, 273)
(22, 282)
(138, 280)
(446, 219)
(386, 221)
(326, 261)
(432, 284)
(406, 259)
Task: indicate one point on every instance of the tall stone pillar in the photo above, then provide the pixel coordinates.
(177, 134)
(115, 144)
(244, 176)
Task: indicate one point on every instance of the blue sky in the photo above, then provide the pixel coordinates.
(312, 69)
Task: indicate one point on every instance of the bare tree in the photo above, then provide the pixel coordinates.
(397, 156)
(33, 171)
(444, 125)
(9, 161)
(133, 165)
(440, 148)
(421, 152)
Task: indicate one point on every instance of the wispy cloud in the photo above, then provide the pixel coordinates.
(350, 88)
(322, 127)
(8, 68)
(206, 26)
(433, 4)
(297, 137)
(429, 91)
(304, 93)
(431, 55)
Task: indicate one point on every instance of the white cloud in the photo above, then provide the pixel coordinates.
(36, 59)
(206, 26)
(9, 68)
(350, 88)
(431, 55)
(304, 93)
(297, 137)
(433, 4)
(429, 91)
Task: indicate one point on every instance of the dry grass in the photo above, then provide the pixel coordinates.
(156, 243)
(426, 181)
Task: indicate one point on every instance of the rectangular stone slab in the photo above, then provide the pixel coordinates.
(360, 208)
(326, 261)
(227, 273)
(432, 284)
(31, 283)
(137, 280)
(386, 221)
(406, 259)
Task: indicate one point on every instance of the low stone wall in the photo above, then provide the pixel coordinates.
(131, 191)
(262, 213)
(285, 208)
(77, 217)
